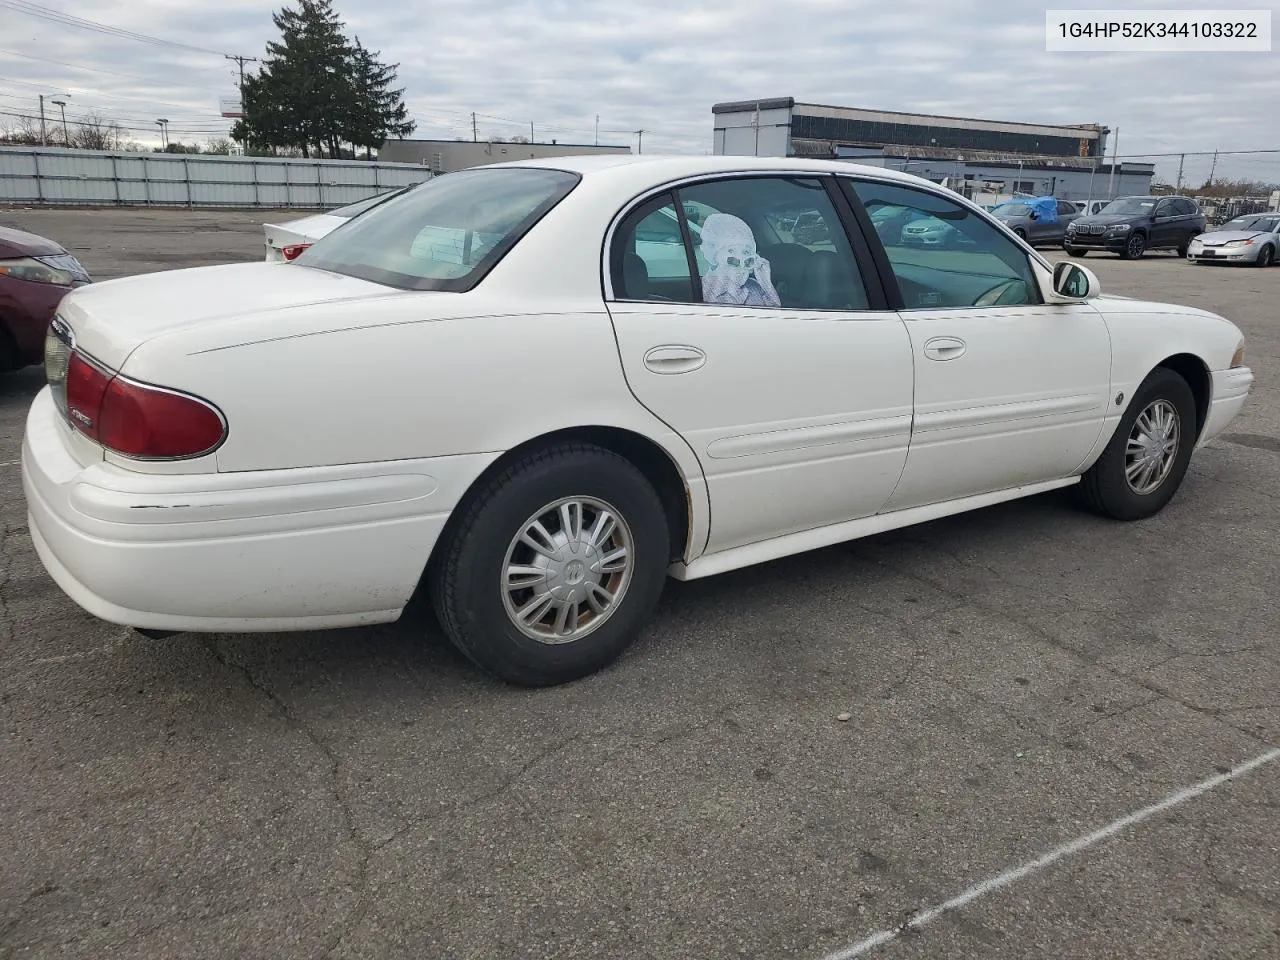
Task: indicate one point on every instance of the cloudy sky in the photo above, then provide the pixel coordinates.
(660, 65)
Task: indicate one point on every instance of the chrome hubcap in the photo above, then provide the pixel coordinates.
(567, 569)
(1152, 447)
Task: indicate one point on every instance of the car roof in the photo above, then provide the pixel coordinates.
(661, 167)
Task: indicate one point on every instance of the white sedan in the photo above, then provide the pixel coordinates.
(508, 390)
(285, 241)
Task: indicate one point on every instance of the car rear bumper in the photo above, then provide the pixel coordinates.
(1230, 391)
(254, 551)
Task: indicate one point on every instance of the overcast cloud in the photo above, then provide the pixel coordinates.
(660, 65)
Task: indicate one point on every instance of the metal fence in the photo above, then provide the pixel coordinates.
(59, 176)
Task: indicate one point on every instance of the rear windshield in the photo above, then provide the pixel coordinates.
(445, 234)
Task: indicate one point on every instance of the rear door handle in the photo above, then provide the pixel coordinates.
(674, 358)
(944, 348)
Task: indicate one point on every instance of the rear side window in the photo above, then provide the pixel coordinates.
(649, 260)
(444, 235)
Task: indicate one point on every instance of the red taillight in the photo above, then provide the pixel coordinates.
(138, 420)
(294, 250)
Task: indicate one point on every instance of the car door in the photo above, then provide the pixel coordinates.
(1067, 212)
(1009, 390)
(784, 371)
(1165, 224)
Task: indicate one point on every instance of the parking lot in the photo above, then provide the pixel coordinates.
(1017, 678)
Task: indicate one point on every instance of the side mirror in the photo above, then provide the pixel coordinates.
(1034, 215)
(1072, 282)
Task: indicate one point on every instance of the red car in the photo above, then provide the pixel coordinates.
(35, 274)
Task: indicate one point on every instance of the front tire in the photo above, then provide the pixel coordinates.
(552, 567)
(1265, 257)
(1076, 251)
(1144, 463)
(1134, 247)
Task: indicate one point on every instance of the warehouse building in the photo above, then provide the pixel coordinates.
(448, 156)
(785, 127)
(990, 155)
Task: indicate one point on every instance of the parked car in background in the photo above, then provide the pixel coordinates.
(1089, 207)
(537, 433)
(284, 241)
(1032, 219)
(1130, 226)
(1253, 238)
(35, 274)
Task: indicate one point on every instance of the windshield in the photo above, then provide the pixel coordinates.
(1128, 206)
(360, 206)
(444, 235)
(1012, 210)
(1261, 224)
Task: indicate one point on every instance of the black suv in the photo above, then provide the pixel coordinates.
(1130, 226)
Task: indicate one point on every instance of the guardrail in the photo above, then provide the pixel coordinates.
(65, 177)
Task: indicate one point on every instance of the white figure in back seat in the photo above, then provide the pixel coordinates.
(738, 274)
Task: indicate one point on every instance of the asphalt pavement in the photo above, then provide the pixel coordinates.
(1015, 679)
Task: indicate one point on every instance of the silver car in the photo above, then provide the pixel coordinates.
(1026, 223)
(1253, 238)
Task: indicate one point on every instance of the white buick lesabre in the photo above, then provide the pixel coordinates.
(537, 389)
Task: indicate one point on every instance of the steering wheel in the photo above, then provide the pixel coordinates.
(993, 296)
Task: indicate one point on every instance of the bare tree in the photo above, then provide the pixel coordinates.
(97, 132)
(25, 132)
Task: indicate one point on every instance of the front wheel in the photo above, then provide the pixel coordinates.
(1076, 251)
(552, 568)
(1134, 247)
(1265, 257)
(1185, 245)
(1144, 463)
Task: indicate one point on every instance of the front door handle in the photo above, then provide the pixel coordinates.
(674, 358)
(944, 348)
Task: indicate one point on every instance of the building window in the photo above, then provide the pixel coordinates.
(1024, 186)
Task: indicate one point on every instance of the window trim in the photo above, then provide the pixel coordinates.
(658, 200)
(877, 301)
(1036, 262)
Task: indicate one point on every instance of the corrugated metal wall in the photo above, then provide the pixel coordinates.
(51, 175)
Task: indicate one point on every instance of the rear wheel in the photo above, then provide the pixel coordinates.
(551, 568)
(1134, 247)
(1144, 463)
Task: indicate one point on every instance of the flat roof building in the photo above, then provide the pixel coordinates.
(448, 156)
(786, 127)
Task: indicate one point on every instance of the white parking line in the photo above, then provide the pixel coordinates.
(10, 463)
(1048, 859)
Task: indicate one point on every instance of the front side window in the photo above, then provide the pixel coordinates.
(445, 234)
(944, 254)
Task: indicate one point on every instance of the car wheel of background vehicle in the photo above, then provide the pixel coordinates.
(1147, 457)
(1185, 245)
(549, 570)
(1076, 251)
(1020, 232)
(1265, 256)
(1134, 247)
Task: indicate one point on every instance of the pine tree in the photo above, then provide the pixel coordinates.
(316, 90)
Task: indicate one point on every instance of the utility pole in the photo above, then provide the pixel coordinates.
(1212, 168)
(597, 129)
(755, 121)
(640, 144)
(531, 131)
(241, 61)
(1181, 159)
(44, 137)
(474, 135)
(1115, 155)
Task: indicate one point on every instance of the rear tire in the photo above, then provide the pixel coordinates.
(1134, 247)
(486, 574)
(1119, 485)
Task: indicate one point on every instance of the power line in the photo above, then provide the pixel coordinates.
(57, 16)
(114, 73)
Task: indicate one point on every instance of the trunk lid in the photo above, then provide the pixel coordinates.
(109, 320)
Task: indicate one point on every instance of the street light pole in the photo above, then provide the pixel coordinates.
(66, 136)
(163, 124)
(44, 137)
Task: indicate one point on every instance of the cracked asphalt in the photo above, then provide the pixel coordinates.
(1017, 677)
